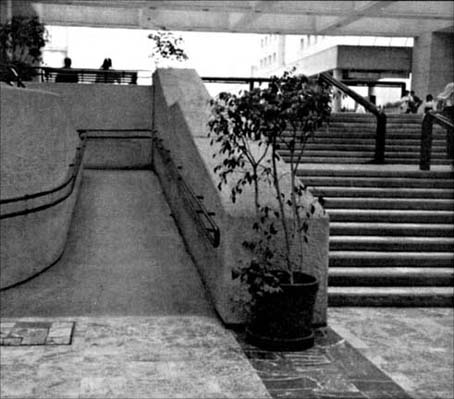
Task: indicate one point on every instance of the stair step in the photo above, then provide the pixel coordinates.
(383, 192)
(392, 229)
(374, 171)
(362, 147)
(391, 296)
(365, 161)
(388, 203)
(390, 276)
(367, 153)
(390, 259)
(359, 181)
(369, 135)
(369, 141)
(390, 215)
(391, 244)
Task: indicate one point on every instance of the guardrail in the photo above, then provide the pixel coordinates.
(380, 135)
(426, 137)
(30, 203)
(200, 214)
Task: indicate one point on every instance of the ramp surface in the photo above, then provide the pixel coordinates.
(124, 256)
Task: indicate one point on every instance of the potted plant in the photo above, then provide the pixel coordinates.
(247, 132)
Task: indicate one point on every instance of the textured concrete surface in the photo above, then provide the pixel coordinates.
(116, 149)
(133, 357)
(412, 346)
(124, 256)
(104, 106)
(37, 138)
(30, 243)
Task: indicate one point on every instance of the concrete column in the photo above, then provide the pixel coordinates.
(432, 63)
(337, 101)
(6, 11)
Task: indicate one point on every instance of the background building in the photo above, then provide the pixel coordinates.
(376, 67)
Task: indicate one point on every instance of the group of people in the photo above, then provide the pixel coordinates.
(443, 103)
(410, 102)
(67, 75)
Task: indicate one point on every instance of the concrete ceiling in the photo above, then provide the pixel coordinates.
(376, 18)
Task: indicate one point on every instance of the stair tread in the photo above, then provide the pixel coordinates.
(391, 239)
(391, 226)
(399, 270)
(404, 290)
(385, 254)
(390, 212)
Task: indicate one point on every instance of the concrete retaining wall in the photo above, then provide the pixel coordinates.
(118, 150)
(104, 106)
(182, 111)
(38, 142)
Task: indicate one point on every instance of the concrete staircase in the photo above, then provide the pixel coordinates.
(392, 225)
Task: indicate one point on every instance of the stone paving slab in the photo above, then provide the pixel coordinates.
(131, 357)
(413, 346)
(24, 333)
(331, 369)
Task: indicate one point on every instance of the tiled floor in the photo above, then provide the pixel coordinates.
(133, 357)
(174, 346)
(368, 353)
(331, 369)
(414, 346)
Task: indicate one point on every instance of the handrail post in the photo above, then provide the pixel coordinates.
(426, 142)
(380, 138)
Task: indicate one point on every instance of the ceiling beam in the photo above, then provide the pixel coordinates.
(257, 9)
(371, 9)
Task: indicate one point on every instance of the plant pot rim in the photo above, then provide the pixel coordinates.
(313, 280)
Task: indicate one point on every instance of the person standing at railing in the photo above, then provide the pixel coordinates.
(67, 75)
(106, 76)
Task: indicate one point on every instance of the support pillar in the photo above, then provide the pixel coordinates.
(6, 11)
(432, 63)
(337, 94)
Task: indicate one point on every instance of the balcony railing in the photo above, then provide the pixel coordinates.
(85, 75)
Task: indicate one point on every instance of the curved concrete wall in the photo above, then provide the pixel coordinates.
(38, 142)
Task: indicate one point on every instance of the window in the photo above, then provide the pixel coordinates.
(302, 43)
(274, 57)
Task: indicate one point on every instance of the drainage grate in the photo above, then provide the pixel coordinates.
(26, 333)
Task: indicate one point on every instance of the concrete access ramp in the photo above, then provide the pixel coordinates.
(124, 256)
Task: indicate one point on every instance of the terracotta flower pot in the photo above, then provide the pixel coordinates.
(283, 321)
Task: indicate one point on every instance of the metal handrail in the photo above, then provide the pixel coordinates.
(12, 74)
(199, 212)
(426, 137)
(70, 181)
(380, 136)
